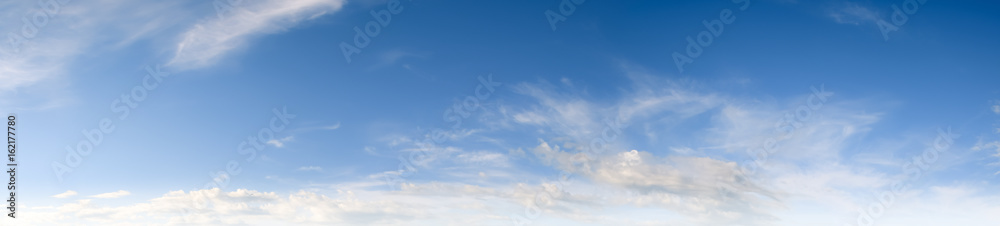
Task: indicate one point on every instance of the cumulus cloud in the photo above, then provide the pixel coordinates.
(613, 185)
(714, 188)
(441, 203)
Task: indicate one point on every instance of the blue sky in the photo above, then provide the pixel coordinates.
(583, 118)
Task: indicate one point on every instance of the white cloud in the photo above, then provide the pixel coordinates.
(807, 177)
(940, 205)
(96, 27)
(240, 207)
(332, 127)
(482, 158)
(212, 38)
(311, 168)
(111, 195)
(438, 203)
(853, 13)
(722, 197)
(280, 143)
(571, 117)
(702, 186)
(66, 194)
(990, 145)
(35, 71)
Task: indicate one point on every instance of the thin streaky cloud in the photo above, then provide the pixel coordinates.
(853, 13)
(333, 127)
(66, 194)
(311, 168)
(205, 42)
(111, 195)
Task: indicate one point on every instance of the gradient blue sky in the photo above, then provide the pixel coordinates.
(677, 160)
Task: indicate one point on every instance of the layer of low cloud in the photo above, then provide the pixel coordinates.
(814, 172)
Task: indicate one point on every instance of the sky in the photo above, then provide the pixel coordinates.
(551, 112)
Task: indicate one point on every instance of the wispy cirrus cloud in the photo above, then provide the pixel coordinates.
(332, 127)
(44, 61)
(853, 13)
(208, 40)
(42, 57)
(697, 181)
